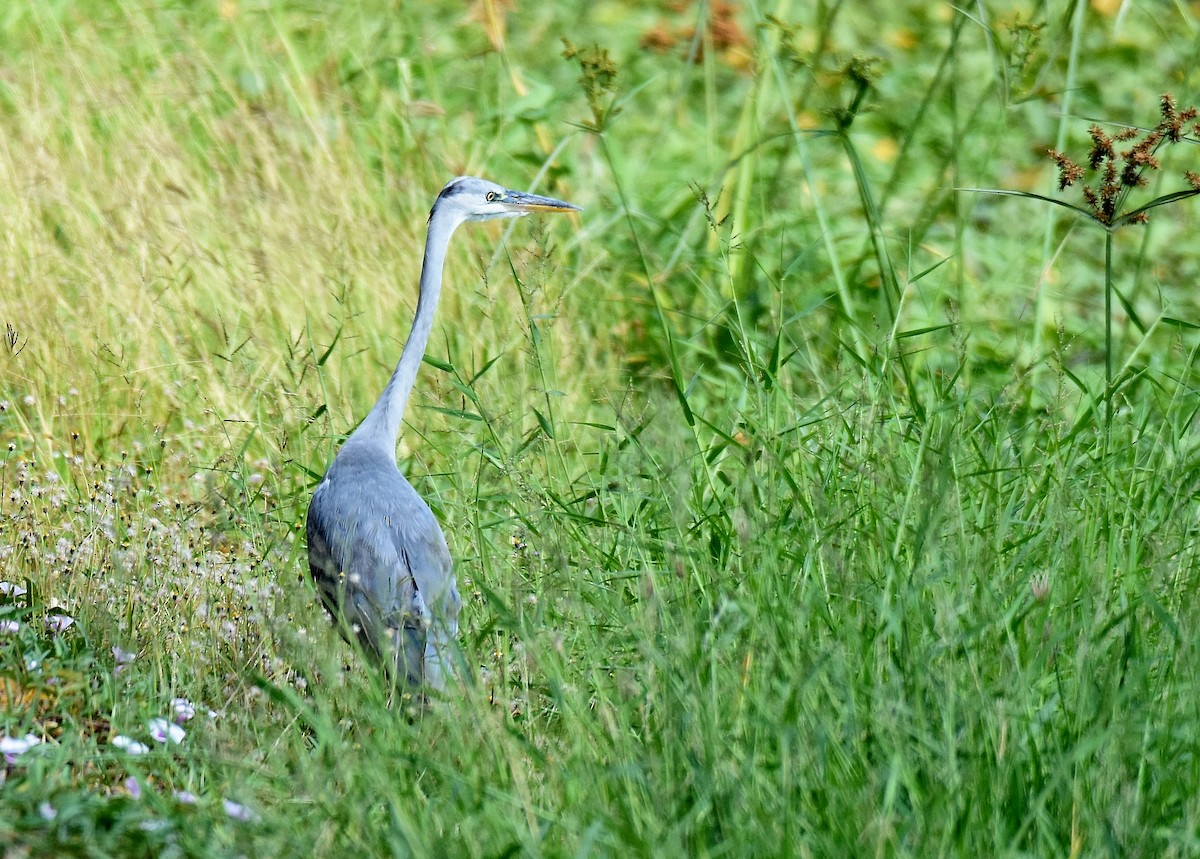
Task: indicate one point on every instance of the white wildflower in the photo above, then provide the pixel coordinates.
(237, 811)
(59, 623)
(183, 709)
(14, 747)
(166, 732)
(129, 744)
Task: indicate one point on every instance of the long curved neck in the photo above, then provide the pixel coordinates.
(381, 426)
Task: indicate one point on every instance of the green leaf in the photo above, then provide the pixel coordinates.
(1155, 203)
(444, 366)
(544, 424)
(1179, 323)
(457, 413)
(1002, 192)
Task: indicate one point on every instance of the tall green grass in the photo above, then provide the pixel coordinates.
(783, 515)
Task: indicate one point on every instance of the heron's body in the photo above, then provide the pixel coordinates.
(381, 564)
(375, 550)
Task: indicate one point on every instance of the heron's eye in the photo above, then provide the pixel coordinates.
(491, 196)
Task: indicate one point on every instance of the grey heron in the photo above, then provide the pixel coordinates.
(375, 549)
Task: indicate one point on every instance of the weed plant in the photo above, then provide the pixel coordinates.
(782, 505)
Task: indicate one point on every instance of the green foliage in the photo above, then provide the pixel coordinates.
(781, 505)
(598, 75)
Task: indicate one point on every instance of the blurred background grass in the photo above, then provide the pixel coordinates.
(777, 494)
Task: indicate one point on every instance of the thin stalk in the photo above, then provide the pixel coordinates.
(660, 309)
(1041, 310)
(1108, 339)
(891, 290)
(1109, 463)
(837, 272)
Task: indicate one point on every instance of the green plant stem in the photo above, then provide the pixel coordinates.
(1108, 338)
(1041, 310)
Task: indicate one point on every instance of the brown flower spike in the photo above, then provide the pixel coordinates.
(1123, 169)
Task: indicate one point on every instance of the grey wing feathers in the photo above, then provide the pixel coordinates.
(368, 554)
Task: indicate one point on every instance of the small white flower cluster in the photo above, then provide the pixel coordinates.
(161, 730)
(124, 538)
(123, 659)
(168, 732)
(183, 709)
(96, 533)
(128, 744)
(10, 591)
(59, 623)
(234, 810)
(13, 747)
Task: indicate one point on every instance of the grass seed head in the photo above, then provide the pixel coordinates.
(1122, 171)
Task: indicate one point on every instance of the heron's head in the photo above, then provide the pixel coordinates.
(471, 199)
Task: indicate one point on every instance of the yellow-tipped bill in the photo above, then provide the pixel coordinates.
(518, 201)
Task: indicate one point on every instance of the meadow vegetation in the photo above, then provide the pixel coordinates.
(804, 502)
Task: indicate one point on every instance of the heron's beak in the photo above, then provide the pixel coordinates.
(517, 201)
